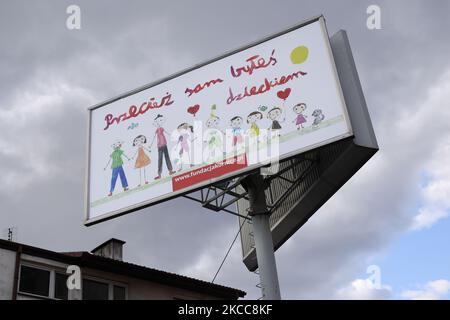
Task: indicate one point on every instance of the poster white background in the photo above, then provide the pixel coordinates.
(318, 89)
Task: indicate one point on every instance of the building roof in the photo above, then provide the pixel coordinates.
(89, 260)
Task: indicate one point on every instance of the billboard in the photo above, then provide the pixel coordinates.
(200, 126)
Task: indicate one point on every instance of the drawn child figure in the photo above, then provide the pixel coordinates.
(299, 108)
(142, 159)
(236, 130)
(161, 143)
(275, 116)
(183, 143)
(252, 119)
(213, 138)
(117, 167)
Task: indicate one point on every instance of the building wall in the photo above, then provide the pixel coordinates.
(146, 290)
(137, 289)
(7, 268)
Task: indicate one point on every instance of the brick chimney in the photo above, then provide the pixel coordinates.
(112, 249)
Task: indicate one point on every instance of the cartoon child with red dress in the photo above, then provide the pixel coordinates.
(142, 159)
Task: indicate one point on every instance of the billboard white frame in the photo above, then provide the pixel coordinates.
(90, 221)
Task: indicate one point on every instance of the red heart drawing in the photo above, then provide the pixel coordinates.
(284, 94)
(193, 109)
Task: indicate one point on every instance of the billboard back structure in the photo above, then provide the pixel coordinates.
(198, 127)
(310, 179)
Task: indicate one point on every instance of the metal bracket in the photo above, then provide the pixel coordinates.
(220, 196)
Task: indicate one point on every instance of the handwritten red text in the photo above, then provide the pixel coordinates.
(254, 62)
(266, 86)
(200, 87)
(134, 111)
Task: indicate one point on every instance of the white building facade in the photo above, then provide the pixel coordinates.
(30, 273)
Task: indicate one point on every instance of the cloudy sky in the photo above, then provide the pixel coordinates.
(392, 214)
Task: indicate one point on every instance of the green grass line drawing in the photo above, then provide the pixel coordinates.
(286, 137)
(130, 191)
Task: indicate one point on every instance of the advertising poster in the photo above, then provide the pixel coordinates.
(199, 126)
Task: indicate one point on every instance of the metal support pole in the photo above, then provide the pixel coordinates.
(255, 186)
